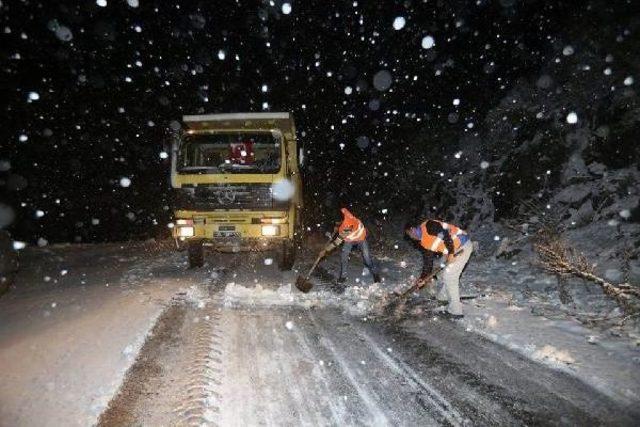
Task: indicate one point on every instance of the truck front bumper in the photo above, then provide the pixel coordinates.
(238, 234)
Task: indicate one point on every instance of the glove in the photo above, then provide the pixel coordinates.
(423, 280)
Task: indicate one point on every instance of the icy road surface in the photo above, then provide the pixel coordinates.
(232, 344)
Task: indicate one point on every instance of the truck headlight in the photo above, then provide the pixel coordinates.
(270, 230)
(185, 231)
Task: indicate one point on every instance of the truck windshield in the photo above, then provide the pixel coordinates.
(230, 153)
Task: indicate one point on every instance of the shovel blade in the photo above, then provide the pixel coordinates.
(303, 284)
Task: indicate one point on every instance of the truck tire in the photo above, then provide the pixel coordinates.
(287, 256)
(196, 254)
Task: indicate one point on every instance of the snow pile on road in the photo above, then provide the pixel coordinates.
(236, 294)
(356, 300)
(362, 299)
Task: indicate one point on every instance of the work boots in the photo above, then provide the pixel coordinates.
(376, 278)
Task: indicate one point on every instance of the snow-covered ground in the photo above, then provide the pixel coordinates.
(79, 315)
(73, 325)
(503, 311)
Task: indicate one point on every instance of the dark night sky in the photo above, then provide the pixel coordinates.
(108, 96)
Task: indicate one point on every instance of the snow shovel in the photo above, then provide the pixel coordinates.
(418, 285)
(303, 283)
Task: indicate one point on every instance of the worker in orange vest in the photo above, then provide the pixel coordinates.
(351, 233)
(437, 238)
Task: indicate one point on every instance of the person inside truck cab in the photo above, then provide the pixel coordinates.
(241, 153)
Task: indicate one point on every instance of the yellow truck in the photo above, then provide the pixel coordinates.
(237, 185)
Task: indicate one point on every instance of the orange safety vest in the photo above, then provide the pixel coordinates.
(351, 229)
(436, 243)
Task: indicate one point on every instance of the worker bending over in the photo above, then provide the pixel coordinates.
(351, 233)
(438, 238)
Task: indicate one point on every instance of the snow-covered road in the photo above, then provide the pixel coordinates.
(232, 344)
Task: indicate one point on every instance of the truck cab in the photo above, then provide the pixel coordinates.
(237, 185)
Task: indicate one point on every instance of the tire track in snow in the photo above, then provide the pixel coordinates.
(379, 418)
(201, 401)
(436, 400)
(302, 391)
(338, 411)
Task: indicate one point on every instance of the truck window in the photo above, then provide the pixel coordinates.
(230, 153)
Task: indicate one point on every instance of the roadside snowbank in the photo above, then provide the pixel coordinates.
(73, 326)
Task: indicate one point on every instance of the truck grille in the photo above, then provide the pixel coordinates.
(229, 196)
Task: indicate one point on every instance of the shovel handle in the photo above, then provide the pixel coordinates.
(420, 283)
(315, 264)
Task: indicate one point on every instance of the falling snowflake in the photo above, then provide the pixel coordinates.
(286, 8)
(399, 23)
(18, 245)
(125, 182)
(283, 190)
(382, 80)
(428, 42)
(289, 325)
(572, 118)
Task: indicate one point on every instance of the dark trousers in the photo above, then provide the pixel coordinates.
(366, 256)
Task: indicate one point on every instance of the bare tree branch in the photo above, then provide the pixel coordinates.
(558, 259)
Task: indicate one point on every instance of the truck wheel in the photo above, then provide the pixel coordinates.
(196, 254)
(287, 256)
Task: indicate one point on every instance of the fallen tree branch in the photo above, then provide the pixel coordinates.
(556, 258)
